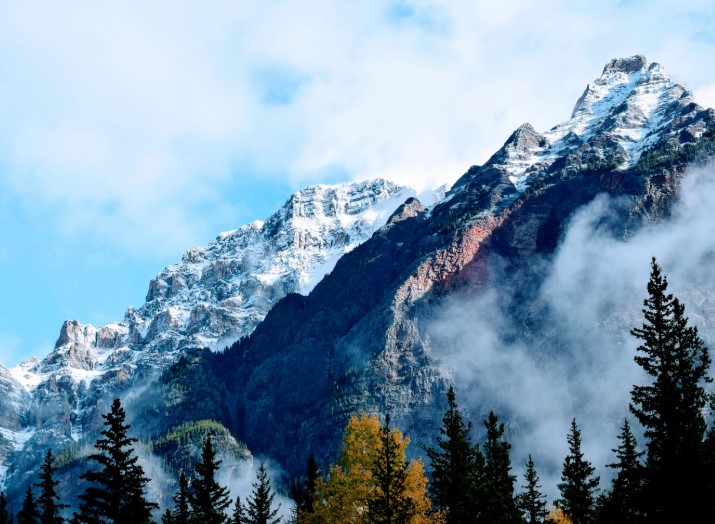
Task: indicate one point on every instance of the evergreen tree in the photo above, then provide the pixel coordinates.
(28, 514)
(531, 502)
(168, 517)
(5, 515)
(456, 467)
(670, 408)
(499, 506)
(390, 503)
(260, 503)
(182, 511)
(239, 515)
(578, 484)
(48, 501)
(117, 494)
(208, 499)
(622, 505)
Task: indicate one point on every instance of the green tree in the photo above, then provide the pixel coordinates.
(456, 467)
(117, 492)
(208, 499)
(390, 503)
(28, 514)
(181, 514)
(239, 515)
(48, 501)
(670, 408)
(578, 483)
(5, 515)
(497, 487)
(167, 517)
(260, 503)
(531, 502)
(623, 504)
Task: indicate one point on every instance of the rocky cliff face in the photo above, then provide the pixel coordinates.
(332, 295)
(215, 295)
(358, 341)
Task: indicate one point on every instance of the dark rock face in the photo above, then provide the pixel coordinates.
(357, 342)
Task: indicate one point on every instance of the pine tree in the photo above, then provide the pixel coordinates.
(578, 484)
(117, 494)
(623, 504)
(28, 514)
(390, 503)
(5, 516)
(239, 515)
(499, 506)
(208, 499)
(168, 517)
(456, 467)
(312, 474)
(260, 503)
(182, 512)
(670, 408)
(48, 501)
(531, 502)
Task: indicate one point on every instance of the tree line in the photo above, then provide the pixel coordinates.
(671, 479)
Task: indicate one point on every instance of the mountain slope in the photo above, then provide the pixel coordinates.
(215, 295)
(359, 340)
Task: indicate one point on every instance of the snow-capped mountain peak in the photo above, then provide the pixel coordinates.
(630, 107)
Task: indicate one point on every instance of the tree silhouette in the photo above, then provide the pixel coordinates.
(208, 499)
(260, 503)
(117, 492)
(578, 484)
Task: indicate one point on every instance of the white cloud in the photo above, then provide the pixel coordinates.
(131, 121)
(593, 293)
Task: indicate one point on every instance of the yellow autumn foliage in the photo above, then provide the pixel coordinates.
(342, 497)
(557, 516)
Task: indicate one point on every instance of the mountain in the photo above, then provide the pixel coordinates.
(361, 339)
(328, 307)
(215, 295)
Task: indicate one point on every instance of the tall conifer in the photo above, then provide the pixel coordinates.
(260, 503)
(5, 515)
(116, 494)
(578, 483)
(456, 467)
(670, 407)
(28, 514)
(209, 500)
(531, 501)
(499, 506)
(49, 501)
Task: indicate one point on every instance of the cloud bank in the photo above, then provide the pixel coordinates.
(594, 290)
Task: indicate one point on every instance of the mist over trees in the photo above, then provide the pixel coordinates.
(670, 479)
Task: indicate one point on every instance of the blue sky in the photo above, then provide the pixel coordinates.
(131, 132)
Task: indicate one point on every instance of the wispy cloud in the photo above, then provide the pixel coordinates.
(581, 363)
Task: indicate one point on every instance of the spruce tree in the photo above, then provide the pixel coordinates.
(182, 512)
(578, 483)
(456, 467)
(5, 515)
(531, 502)
(499, 506)
(48, 501)
(239, 515)
(28, 514)
(670, 408)
(623, 504)
(207, 498)
(312, 474)
(168, 517)
(117, 492)
(260, 503)
(390, 503)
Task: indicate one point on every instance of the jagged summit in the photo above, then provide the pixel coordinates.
(631, 106)
(626, 65)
